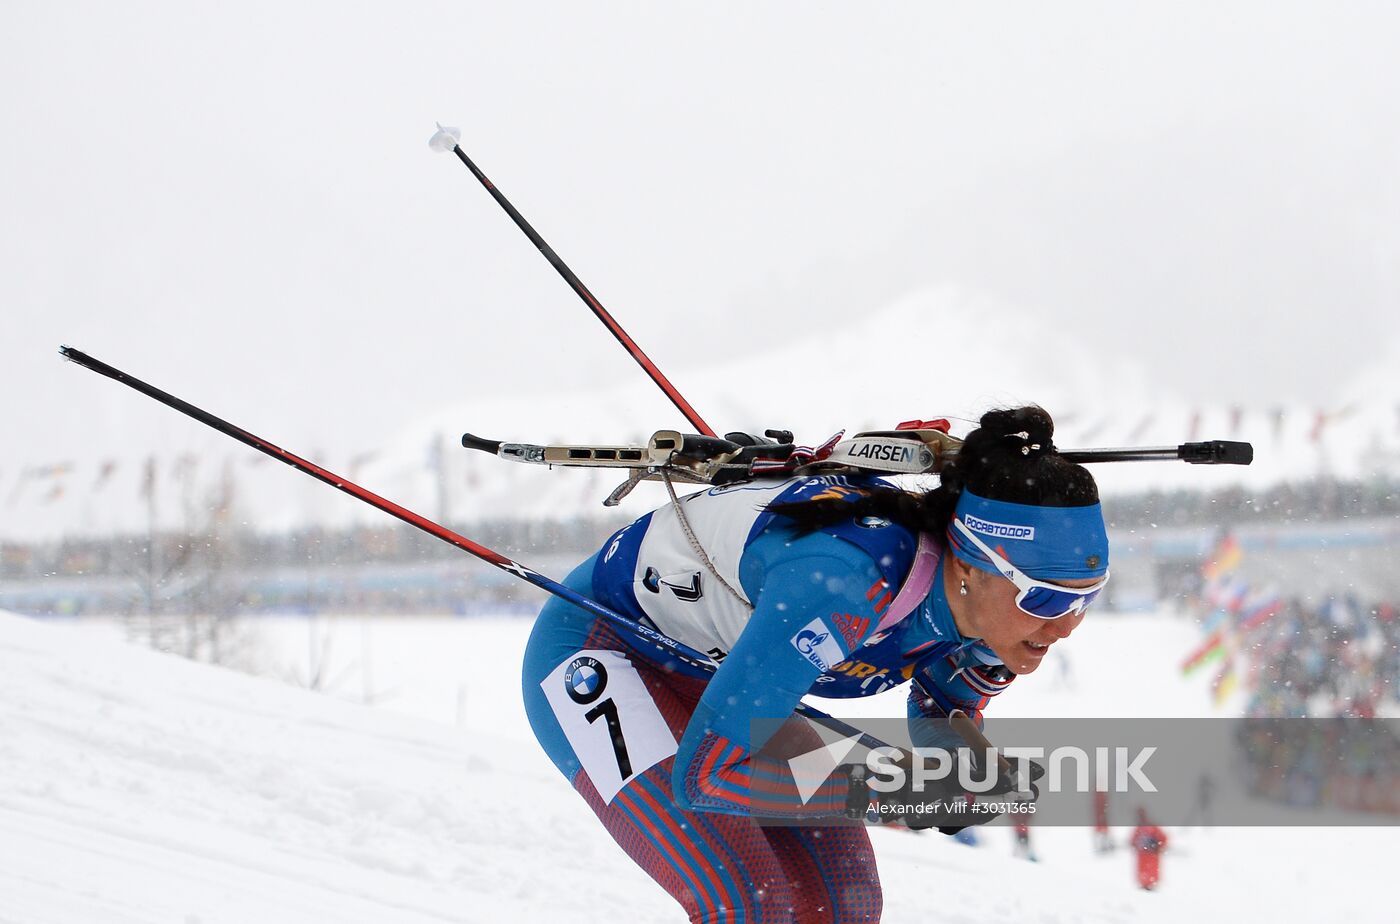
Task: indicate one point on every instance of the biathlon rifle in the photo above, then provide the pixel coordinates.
(915, 447)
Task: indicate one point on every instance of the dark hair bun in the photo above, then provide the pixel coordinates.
(1011, 457)
(1027, 430)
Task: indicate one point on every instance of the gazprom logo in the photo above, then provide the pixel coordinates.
(816, 644)
(999, 530)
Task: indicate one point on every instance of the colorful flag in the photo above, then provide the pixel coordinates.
(1233, 600)
(1258, 610)
(54, 471)
(1225, 682)
(1215, 620)
(1224, 559)
(1212, 649)
(1323, 419)
(1225, 592)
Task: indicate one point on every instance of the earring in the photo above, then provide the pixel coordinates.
(962, 590)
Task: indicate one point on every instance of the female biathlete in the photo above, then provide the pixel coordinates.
(837, 586)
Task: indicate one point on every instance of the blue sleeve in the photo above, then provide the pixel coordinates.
(796, 585)
(964, 680)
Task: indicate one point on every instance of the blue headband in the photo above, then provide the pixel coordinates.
(1047, 543)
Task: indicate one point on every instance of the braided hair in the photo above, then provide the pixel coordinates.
(1009, 457)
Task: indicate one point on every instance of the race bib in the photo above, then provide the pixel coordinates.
(609, 717)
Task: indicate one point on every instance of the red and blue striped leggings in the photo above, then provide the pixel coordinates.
(723, 869)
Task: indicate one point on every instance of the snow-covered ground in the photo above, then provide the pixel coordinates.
(136, 786)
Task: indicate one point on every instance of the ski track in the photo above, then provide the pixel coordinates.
(139, 787)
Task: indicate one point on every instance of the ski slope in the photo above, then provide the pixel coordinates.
(140, 787)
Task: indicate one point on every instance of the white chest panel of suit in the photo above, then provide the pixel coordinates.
(672, 584)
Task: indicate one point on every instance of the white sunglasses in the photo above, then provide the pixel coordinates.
(1037, 598)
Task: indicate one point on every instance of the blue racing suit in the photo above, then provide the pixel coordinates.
(801, 615)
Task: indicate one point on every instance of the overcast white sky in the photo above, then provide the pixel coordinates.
(236, 202)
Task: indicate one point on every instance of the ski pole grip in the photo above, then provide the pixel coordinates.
(475, 442)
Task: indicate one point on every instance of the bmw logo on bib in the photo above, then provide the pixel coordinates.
(584, 680)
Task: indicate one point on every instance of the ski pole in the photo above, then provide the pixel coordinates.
(669, 646)
(446, 139)
(694, 660)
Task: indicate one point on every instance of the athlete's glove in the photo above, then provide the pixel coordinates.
(1005, 795)
(943, 803)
